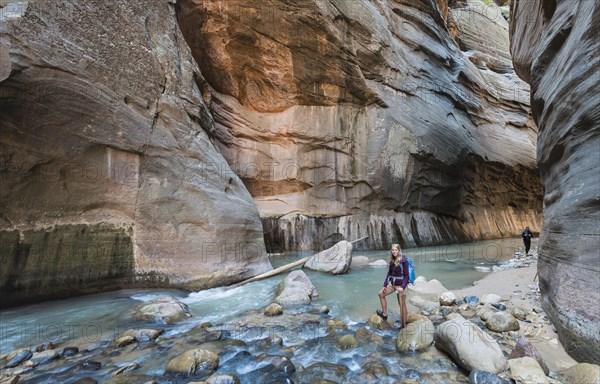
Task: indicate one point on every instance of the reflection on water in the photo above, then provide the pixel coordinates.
(351, 297)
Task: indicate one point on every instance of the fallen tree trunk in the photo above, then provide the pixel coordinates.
(283, 268)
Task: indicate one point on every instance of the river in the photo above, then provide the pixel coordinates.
(352, 298)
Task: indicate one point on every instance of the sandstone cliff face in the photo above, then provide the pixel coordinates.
(104, 141)
(556, 48)
(400, 120)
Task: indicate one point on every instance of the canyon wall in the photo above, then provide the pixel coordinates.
(556, 48)
(104, 141)
(399, 120)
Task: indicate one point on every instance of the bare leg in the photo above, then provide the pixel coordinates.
(382, 294)
(403, 309)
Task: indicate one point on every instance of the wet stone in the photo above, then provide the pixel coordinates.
(9, 379)
(18, 358)
(44, 347)
(69, 351)
(85, 380)
(347, 342)
(90, 365)
(481, 377)
(130, 378)
(143, 335)
(44, 356)
(223, 379)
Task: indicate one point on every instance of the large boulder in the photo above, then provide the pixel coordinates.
(469, 346)
(296, 289)
(335, 260)
(416, 336)
(396, 120)
(555, 46)
(110, 173)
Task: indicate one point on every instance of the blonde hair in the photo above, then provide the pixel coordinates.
(398, 259)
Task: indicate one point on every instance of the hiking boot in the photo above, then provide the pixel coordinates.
(380, 314)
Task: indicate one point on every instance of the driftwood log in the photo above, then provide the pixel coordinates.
(283, 268)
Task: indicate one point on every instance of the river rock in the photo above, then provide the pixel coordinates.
(502, 322)
(122, 341)
(192, 362)
(164, 309)
(126, 368)
(328, 372)
(130, 378)
(554, 47)
(273, 309)
(69, 351)
(481, 377)
(347, 342)
(374, 370)
(335, 260)
(471, 300)
(486, 311)
(525, 348)
(428, 290)
(416, 336)
(490, 298)
(44, 356)
(582, 373)
(359, 261)
(469, 346)
(9, 379)
(376, 322)
(144, 334)
(525, 370)
(296, 289)
(447, 299)
(336, 325)
(379, 263)
(17, 357)
(519, 313)
(216, 378)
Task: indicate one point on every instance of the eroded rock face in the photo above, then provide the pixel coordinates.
(102, 123)
(555, 47)
(393, 119)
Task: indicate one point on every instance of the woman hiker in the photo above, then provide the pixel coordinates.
(395, 280)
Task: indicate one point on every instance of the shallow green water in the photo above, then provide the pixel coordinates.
(352, 296)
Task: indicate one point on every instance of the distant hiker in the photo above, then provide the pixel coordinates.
(526, 236)
(395, 280)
